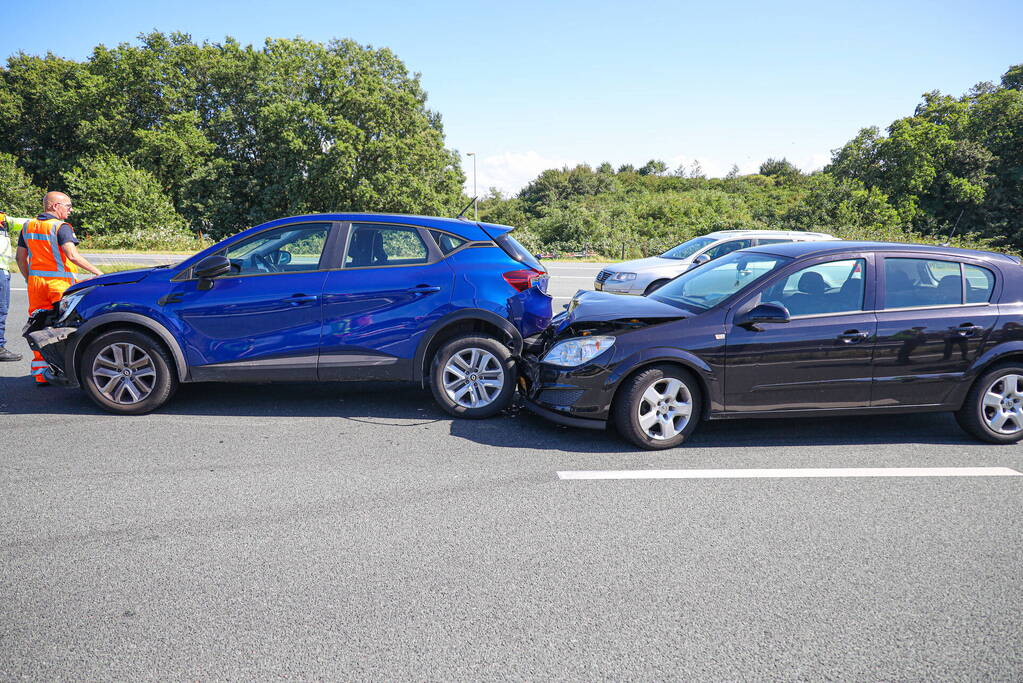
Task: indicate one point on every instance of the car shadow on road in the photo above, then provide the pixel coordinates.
(407, 405)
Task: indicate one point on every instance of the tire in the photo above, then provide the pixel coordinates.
(654, 286)
(152, 380)
(488, 385)
(644, 405)
(994, 401)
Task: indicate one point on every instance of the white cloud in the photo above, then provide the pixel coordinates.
(509, 172)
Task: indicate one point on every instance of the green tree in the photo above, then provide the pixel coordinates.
(18, 196)
(112, 196)
(779, 167)
(237, 135)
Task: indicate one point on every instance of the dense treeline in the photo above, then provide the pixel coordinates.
(957, 163)
(170, 134)
(165, 139)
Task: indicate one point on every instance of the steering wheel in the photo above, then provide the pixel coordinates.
(264, 262)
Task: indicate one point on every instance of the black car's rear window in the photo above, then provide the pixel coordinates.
(518, 252)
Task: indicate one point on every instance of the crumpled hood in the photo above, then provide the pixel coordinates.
(121, 278)
(589, 305)
(643, 264)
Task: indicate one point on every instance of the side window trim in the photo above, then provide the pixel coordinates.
(189, 273)
(433, 253)
(882, 290)
(870, 288)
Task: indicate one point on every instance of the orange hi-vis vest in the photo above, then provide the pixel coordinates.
(45, 259)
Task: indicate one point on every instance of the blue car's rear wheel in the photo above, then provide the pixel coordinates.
(473, 377)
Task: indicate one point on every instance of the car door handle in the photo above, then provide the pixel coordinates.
(423, 289)
(852, 336)
(968, 329)
(298, 299)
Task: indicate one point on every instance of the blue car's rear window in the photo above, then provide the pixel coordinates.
(518, 252)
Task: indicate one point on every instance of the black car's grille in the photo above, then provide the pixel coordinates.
(560, 397)
(604, 275)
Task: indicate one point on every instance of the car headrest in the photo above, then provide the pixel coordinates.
(812, 283)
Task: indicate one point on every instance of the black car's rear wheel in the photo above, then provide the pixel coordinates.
(473, 376)
(993, 409)
(127, 372)
(658, 407)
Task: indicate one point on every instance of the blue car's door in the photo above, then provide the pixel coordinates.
(263, 320)
(391, 287)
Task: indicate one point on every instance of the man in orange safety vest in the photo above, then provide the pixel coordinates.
(49, 260)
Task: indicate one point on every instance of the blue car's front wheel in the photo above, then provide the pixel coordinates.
(128, 372)
(473, 376)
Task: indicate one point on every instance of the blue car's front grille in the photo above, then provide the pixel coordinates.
(604, 275)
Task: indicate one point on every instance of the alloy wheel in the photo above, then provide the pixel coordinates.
(1003, 405)
(665, 408)
(473, 378)
(124, 373)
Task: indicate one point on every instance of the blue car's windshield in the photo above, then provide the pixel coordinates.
(703, 287)
(687, 249)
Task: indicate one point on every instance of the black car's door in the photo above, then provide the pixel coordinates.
(933, 321)
(822, 357)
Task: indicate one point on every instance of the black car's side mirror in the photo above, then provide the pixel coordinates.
(211, 267)
(762, 313)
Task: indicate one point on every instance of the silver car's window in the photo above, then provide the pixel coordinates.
(703, 287)
(687, 249)
(728, 247)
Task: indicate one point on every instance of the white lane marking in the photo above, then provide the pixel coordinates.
(574, 277)
(795, 473)
(19, 289)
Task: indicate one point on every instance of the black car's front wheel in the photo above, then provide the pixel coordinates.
(127, 372)
(993, 409)
(473, 376)
(658, 407)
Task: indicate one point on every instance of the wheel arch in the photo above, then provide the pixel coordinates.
(1011, 351)
(127, 321)
(464, 321)
(700, 370)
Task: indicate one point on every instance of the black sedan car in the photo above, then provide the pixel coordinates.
(799, 329)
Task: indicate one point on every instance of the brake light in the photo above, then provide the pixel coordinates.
(523, 279)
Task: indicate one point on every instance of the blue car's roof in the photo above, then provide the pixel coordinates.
(465, 228)
(799, 249)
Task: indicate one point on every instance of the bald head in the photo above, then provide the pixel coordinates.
(57, 204)
(52, 198)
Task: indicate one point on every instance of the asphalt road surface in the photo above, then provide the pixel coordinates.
(356, 532)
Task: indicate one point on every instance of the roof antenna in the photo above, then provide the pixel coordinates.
(953, 231)
(461, 214)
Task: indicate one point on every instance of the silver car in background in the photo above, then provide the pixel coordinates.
(644, 275)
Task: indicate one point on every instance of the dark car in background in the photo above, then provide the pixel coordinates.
(329, 297)
(797, 329)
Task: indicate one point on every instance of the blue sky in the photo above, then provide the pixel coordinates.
(534, 85)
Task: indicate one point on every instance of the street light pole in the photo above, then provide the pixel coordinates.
(475, 207)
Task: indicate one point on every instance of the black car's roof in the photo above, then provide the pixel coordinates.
(799, 249)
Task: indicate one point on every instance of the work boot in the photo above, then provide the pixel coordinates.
(6, 355)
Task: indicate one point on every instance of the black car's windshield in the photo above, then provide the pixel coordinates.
(687, 249)
(703, 287)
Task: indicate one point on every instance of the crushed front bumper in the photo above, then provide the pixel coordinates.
(52, 343)
(576, 397)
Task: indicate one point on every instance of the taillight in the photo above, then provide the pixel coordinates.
(523, 279)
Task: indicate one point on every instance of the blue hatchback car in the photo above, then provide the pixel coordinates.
(442, 302)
